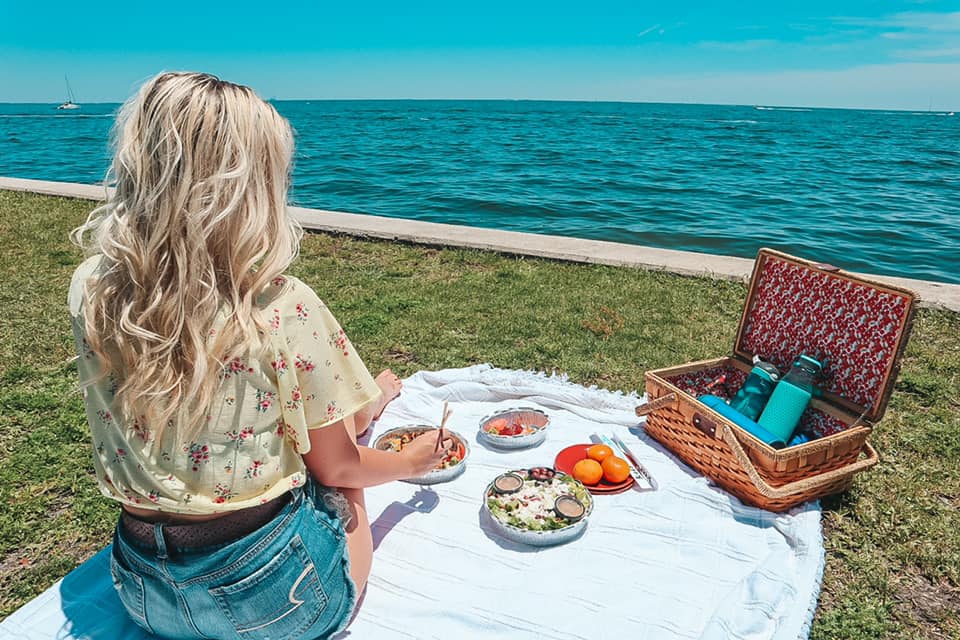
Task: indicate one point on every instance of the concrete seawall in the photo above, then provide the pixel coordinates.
(932, 294)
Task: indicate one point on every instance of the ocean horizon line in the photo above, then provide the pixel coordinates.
(756, 105)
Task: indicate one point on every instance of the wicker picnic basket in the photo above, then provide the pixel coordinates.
(856, 327)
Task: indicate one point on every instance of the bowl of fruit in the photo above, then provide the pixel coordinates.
(539, 506)
(514, 428)
(452, 465)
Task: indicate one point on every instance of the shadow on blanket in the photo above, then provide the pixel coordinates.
(423, 501)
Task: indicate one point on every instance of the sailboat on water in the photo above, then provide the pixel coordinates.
(71, 102)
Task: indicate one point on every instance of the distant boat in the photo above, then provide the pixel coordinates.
(71, 101)
(938, 113)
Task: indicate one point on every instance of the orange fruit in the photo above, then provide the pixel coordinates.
(588, 471)
(599, 452)
(615, 470)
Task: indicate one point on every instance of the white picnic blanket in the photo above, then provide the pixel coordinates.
(685, 561)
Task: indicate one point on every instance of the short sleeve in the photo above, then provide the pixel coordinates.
(78, 282)
(320, 377)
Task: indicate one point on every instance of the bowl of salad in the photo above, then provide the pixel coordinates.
(452, 465)
(539, 506)
(514, 428)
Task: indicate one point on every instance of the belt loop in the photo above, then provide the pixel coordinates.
(161, 543)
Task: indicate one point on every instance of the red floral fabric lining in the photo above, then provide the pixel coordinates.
(814, 422)
(851, 327)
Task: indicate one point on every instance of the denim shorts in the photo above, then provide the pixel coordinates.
(288, 579)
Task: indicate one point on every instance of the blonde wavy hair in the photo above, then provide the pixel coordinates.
(197, 227)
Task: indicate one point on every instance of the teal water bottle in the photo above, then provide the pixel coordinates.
(790, 398)
(752, 397)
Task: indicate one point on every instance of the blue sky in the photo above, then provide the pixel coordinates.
(901, 55)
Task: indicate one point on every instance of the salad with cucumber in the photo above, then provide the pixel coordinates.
(532, 507)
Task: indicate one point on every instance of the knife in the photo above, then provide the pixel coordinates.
(637, 470)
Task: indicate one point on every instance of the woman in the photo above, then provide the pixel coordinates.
(223, 398)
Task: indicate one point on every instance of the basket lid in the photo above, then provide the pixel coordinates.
(856, 328)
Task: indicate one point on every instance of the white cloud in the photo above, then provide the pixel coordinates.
(919, 21)
(950, 52)
(927, 21)
(898, 35)
(929, 34)
(737, 45)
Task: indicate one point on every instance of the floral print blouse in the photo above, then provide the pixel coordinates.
(249, 451)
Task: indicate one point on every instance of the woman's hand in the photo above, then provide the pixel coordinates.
(422, 455)
(335, 460)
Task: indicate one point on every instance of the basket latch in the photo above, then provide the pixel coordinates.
(705, 424)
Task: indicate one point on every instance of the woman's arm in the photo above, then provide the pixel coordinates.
(335, 460)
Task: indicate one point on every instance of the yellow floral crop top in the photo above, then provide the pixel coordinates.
(250, 450)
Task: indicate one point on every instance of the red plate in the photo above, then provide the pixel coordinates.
(577, 452)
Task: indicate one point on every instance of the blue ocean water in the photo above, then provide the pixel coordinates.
(869, 191)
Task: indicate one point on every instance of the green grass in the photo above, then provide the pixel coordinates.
(893, 565)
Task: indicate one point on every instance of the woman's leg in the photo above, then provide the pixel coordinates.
(359, 536)
(390, 386)
(359, 539)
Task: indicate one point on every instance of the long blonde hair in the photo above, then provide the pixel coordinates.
(197, 226)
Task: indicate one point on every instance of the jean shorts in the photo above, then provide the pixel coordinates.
(288, 579)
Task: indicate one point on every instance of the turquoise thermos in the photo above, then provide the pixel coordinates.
(790, 398)
(752, 397)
